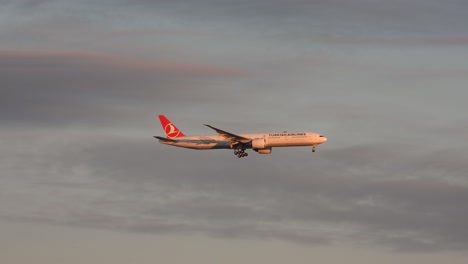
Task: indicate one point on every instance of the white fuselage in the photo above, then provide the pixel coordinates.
(277, 139)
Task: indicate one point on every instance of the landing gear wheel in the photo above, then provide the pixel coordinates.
(313, 150)
(240, 153)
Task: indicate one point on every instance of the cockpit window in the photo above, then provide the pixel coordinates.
(322, 136)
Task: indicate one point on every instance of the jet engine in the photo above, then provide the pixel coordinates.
(264, 151)
(258, 143)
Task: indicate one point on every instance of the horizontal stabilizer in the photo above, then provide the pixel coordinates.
(165, 139)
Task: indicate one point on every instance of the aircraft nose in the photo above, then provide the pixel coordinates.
(323, 138)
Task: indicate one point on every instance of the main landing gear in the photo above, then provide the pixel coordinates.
(240, 153)
(313, 148)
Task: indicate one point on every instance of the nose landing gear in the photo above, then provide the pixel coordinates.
(240, 153)
(313, 148)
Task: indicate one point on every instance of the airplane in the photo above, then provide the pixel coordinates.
(260, 143)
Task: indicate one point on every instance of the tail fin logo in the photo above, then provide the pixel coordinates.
(169, 128)
(171, 131)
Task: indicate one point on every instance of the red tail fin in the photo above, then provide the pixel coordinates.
(169, 128)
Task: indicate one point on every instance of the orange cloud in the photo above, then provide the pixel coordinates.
(126, 62)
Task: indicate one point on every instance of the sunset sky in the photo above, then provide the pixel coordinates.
(82, 180)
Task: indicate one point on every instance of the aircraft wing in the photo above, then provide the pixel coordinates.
(230, 136)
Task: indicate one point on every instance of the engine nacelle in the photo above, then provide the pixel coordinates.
(258, 143)
(264, 151)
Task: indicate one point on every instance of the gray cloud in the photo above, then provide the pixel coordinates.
(338, 17)
(370, 193)
(76, 127)
(297, 23)
(77, 87)
(91, 162)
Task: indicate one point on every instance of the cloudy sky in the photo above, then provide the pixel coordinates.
(83, 181)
